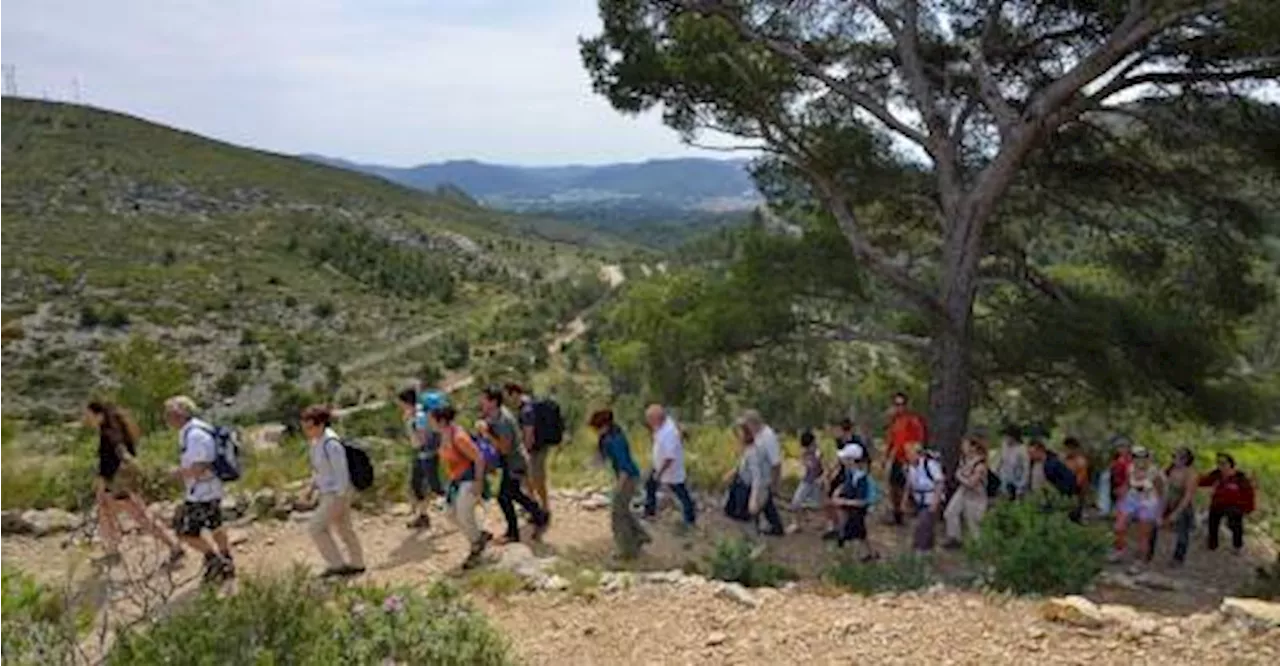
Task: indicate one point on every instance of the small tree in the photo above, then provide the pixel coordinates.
(146, 374)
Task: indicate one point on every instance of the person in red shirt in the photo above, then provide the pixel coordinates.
(1121, 461)
(906, 432)
(1232, 498)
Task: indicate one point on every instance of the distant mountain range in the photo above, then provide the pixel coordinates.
(690, 184)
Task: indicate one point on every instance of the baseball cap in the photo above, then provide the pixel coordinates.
(1141, 452)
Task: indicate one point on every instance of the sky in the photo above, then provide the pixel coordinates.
(396, 82)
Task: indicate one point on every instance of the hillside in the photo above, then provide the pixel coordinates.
(683, 184)
(251, 267)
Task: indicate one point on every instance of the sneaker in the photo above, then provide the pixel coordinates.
(334, 572)
(351, 570)
(472, 561)
(228, 567)
(1116, 556)
(421, 522)
(215, 569)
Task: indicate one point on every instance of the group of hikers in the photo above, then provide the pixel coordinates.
(515, 433)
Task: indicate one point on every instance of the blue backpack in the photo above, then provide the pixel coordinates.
(874, 494)
(226, 459)
(492, 457)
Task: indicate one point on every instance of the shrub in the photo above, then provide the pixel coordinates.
(297, 620)
(904, 572)
(1029, 547)
(89, 317)
(229, 384)
(736, 561)
(323, 309)
(116, 317)
(40, 627)
(147, 376)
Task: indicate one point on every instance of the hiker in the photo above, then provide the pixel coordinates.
(748, 481)
(202, 497)
(464, 465)
(969, 501)
(846, 434)
(766, 442)
(1179, 503)
(925, 485)
(331, 479)
(808, 493)
(1141, 501)
(1233, 498)
(1014, 468)
(833, 482)
(854, 498)
(522, 401)
(424, 477)
(1078, 463)
(1118, 470)
(668, 465)
(906, 430)
(628, 536)
(115, 486)
(1047, 471)
(505, 434)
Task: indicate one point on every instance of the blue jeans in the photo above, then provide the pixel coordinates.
(681, 492)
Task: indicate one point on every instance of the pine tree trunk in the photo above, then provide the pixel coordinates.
(950, 383)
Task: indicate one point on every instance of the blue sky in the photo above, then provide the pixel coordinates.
(389, 81)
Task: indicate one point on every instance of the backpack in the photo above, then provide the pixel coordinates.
(874, 493)
(359, 466)
(993, 484)
(548, 423)
(226, 447)
(492, 457)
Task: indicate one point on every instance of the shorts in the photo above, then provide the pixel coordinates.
(194, 517)
(538, 463)
(855, 526)
(898, 475)
(424, 478)
(1148, 511)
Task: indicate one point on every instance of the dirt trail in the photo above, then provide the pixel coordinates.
(662, 625)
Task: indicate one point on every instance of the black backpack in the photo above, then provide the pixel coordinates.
(548, 423)
(359, 466)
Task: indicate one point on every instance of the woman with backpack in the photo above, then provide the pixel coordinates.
(1233, 498)
(748, 481)
(115, 486)
(969, 501)
(331, 479)
(628, 535)
(464, 465)
(925, 486)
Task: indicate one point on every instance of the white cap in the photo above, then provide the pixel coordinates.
(851, 452)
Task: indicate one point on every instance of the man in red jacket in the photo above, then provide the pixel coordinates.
(906, 432)
(1232, 499)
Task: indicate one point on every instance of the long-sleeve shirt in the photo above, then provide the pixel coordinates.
(329, 464)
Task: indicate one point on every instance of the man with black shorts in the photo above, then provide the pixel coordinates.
(906, 431)
(202, 500)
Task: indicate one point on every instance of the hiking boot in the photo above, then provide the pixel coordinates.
(228, 566)
(540, 527)
(215, 569)
(473, 560)
(420, 522)
(350, 570)
(334, 572)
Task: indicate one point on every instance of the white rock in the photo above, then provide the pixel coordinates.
(595, 502)
(1074, 610)
(1255, 613)
(554, 583)
(300, 516)
(237, 537)
(716, 638)
(737, 593)
(401, 509)
(49, 521)
(11, 522)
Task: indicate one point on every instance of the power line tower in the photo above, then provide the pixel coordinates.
(10, 80)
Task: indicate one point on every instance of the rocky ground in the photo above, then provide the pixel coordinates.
(557, 606)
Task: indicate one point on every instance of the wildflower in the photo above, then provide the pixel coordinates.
(359, 609)
(393, 604)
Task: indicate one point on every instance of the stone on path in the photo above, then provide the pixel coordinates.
(737, 593)
(595, 502)
(1074, 610)
(1255, 613)
(716, 638)
(41, 522)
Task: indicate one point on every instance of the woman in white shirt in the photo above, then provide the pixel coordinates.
(925, 486)
(332, 481)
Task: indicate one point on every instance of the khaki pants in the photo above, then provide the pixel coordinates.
(463, 513)
(334, 514)
(968, 506)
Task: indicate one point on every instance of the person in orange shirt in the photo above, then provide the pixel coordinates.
(906, 431)
(464, 466)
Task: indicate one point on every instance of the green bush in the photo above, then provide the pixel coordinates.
(902, 573)
(40, 627)
(298, 620)
(735, 561)
(1030, 548)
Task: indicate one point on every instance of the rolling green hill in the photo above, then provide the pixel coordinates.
(252, 268)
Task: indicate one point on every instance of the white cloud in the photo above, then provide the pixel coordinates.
(391, 82)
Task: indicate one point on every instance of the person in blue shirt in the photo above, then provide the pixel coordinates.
(628, 535)
(424, 477)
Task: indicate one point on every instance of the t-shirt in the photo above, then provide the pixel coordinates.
(855, 486)
(668, 446)
(923, 480)
(198, 446)
(812, 465)
(767, 441)
(615, 449)
(109, 455)
(905, 429)
(431, 439)
(460, 457)
(504, 427)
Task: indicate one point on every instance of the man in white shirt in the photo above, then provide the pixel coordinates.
(202, 499)
(668, 465)
(767, 441)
